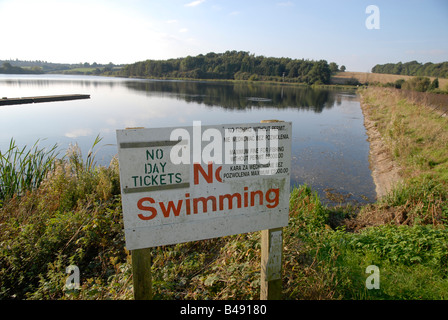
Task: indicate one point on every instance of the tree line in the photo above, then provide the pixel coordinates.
(38, 66)
(414, 68)
(237, 65)
(7, 68)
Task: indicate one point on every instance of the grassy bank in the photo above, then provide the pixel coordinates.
(74, 218)
(415, 133)
(381, 78)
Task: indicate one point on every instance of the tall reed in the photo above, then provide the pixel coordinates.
(74, 157)
(22, 169)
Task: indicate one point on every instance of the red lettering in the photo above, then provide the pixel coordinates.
(171, 207)
(187, 202)
(229, 198)
(204, 203)
(273, 202)
(197, 168)
(217, 176)
(146, 208)
(260, 197)
(271, 199)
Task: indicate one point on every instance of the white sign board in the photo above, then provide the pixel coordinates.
(201, 182)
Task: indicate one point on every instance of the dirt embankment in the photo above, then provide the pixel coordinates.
(385, 171)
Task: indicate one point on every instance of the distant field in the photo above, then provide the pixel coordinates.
(363, 77)
(83, 69)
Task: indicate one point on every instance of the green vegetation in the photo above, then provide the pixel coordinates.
(414, 68)
(416, 136)
(229, 65)
(77, 220)
(237, 65)
(73, 217)
(38, 67)
(22, 170)
(418, 84)
(7, 68)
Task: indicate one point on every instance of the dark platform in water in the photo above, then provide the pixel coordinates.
(65, 97)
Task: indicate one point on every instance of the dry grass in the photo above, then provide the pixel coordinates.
(366, 77)
(416, 136)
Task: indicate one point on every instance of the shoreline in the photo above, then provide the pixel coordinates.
(385, 171)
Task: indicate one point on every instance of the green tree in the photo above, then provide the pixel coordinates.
(232, 65)
(414, 68)
(420, 84)
(333, 67)
(320, 73)
(399, 83)
(6, 66)
(434, 85)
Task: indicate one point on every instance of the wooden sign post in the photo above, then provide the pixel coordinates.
(201, 182)
(141, 274)
(271, 264)
(271, 260)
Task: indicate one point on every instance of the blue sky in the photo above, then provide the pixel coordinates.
(73, 31)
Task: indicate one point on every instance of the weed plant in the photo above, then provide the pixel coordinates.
(22, 169)
(73, 217)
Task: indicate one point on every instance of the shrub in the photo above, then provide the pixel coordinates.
(72, 217)
(420, 84)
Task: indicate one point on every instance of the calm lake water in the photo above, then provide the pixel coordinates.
(329, 144)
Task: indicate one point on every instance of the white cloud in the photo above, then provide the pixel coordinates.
(183, 30)
(194, 3)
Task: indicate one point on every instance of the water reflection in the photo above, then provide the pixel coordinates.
(239, 95)
(329, 147)
(213, 94)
